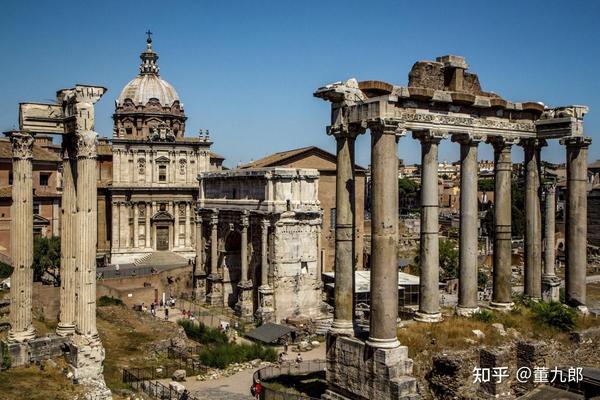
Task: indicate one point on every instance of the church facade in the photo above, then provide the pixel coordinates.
(148, 205)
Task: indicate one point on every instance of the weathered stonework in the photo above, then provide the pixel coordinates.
(38, 349)
(356, 370)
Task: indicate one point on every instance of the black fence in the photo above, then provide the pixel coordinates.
(145, 380)
(187, 360)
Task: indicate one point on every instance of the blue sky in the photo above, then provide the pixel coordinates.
(246, 70)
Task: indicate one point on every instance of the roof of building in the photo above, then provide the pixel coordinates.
(284, 157)
(595, 165)
(39, 153)
(148, 85)
(362, 280)
(269, 332)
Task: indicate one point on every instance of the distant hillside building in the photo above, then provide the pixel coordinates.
(47, 189)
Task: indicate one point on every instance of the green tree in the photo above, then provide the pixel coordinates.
(46, 258)
(486, 185)
(5, 270)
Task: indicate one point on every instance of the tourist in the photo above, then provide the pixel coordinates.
(153, 309)
(166, 313)
(298, 359)
(185, 395)
(256, 389)
(285, 345)
(144, 308)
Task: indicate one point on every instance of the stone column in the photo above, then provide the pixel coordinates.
(68, 240)
(384, 235)
(200, 268)
(469, 221)
(265, 312)
(87, 220)
(429, 294)
(244, 307)
(124, 224)
(176, 225)
(576, 220)
(147, 227)
(21, 238)
(115, 224)
(550, 282)
(343, 314)
(188, 230)
(215, 297)
(136, 225)
(501, 292)
(533, 226)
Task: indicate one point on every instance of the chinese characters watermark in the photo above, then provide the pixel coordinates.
(525, 374)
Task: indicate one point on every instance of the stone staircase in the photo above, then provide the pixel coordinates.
(161, 259)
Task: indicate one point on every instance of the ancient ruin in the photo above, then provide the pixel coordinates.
(258, 242)
(441, 100)
(72, 117)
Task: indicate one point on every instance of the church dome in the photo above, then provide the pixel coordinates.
(144, 87)
(148, 84)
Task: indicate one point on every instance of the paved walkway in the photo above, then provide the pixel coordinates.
(239, 384)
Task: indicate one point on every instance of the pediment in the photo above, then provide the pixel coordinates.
(162, 159)
(162, 216)
(39, 220)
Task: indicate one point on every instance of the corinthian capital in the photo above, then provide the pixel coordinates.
(22, 145)
(85, 144)
(502, 142)
(346, 130)
(430, 135)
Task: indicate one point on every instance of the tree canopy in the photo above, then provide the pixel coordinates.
(46, 258)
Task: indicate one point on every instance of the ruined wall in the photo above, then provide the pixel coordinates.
(297, 286)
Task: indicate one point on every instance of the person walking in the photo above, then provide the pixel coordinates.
(166, 313)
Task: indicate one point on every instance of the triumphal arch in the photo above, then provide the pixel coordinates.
(442, 101)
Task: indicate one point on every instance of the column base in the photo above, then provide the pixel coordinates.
(502, 307)
(383, 343)
(244, 306)
(215, 287)
(358, 371)
(428, 318)
(86, 357)
(266, 312)
(342, 328)
(550, 288)
(22, 336)
(466, 311)
(65, 329)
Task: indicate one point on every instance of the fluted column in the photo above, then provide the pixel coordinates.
(200, 268)
(176, 225)
(429, 293)
(550, 282)
(21, 238)
(576, 220)
(384, 235)
(343, 314)
(215, 297)
(533, 225)
(115, 243)
(147, 227)
(87, 221)
(501, 292)
(244, 307)
(265, 313)
(469, 221)
(188, 230)
(136, 225)
(68, 240)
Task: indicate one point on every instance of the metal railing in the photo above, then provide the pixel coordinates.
(187, 360)
(287, 368)
(145, 380)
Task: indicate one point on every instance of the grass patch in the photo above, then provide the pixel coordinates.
(203, 334)
(31, 383)
(484, 316)
(222, 355)
(106, 301)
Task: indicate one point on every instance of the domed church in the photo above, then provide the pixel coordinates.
(150, 198)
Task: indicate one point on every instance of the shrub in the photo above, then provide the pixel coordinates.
(555, 315)
(222, 355)
(484, 316)
(105, 301)
(202, 333)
